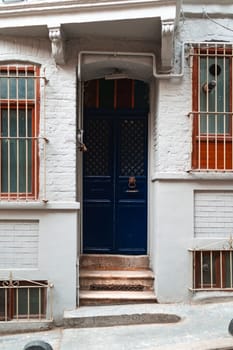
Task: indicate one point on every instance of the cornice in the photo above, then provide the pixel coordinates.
(54, 15)
(66, 6)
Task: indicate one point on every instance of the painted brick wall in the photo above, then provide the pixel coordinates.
(173, 136)
(213, 214)
(19, 244)
(60, 115)
(174, 130)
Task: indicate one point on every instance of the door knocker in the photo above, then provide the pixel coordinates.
(132, 184)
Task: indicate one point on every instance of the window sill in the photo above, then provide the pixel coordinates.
(25, 326)
(203, 296)
(73, 206)
(193, 176)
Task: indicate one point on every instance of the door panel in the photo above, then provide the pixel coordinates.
(131, 221)
(98, 224)
(115, 183)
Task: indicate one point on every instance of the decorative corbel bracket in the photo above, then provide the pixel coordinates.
(167, 43)
(56, 36)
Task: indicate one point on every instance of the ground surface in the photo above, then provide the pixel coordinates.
(202, 327)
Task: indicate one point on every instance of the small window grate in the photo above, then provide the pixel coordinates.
(212, 270)
(24, 299)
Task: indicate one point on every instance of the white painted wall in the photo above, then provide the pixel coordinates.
(57, 220)
(57, 235)
(173, 188)
(56, 254)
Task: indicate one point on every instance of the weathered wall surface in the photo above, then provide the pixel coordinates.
(180, 220)
(55, 224)
(171, 188)
(54, 235)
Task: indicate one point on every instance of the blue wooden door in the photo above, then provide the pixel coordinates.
(115, 182)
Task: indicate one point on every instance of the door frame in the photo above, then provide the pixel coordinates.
(150, 161)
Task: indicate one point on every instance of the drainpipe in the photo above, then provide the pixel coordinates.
(178, 9)
(134, 54)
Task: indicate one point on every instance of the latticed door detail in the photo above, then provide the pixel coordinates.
(97, 160)
(132, 147)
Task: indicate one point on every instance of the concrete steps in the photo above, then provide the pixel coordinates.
(114, 298)
(114, 262)
(115, 279)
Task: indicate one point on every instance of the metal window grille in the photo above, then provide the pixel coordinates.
(212, 107)
(213, 268)
(20, 112)
(24, 299)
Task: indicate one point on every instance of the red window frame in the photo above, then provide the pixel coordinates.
(34, 106)
(210, 146)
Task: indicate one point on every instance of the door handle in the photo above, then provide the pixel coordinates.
(132, 187)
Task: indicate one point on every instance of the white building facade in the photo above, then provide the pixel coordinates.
(55, 60)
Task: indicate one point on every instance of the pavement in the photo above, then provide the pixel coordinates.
(201, 327)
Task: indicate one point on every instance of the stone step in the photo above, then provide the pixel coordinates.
(122, 280)
(116, 315)
(114, 262)
(115, 297)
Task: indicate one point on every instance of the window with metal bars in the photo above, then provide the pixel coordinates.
(212, 107)
(212, 269)
(23, 299)
(19, 126)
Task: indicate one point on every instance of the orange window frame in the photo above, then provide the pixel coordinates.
(34, 106)
(197, 135)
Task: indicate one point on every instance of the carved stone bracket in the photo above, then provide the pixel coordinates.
(57, 44)
(167, 46)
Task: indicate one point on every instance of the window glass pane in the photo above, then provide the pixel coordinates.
(124, 93)
(228, 273)
(28, 301)
(209, 268)
(17, 88)
(16, 154)
(216, 70)
(106, 93)
(206, 269)
(26, 86)
(141, 94)
(2, 303)
(3, 88)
